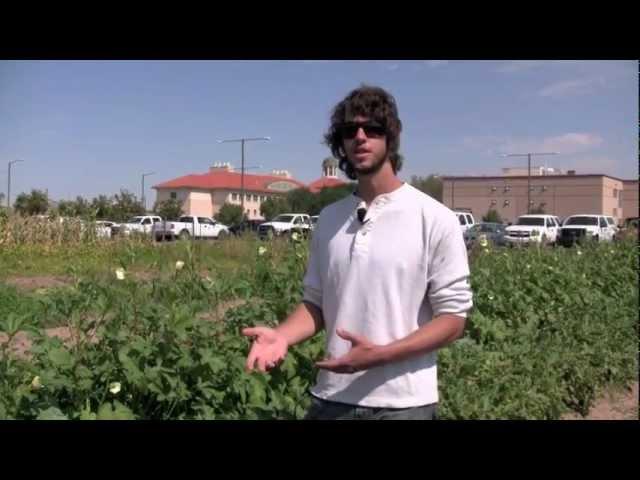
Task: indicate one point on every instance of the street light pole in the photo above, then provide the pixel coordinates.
(9, 184)
(242, 169)
(144, 201)
(528, 155)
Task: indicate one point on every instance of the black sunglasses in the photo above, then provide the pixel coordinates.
(349, 130)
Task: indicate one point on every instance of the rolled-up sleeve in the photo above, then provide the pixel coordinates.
(448, 287)
(312, 282)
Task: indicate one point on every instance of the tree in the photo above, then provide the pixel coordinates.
(431, 185)
(1, 198)
(126, 205)
(169, 209)
(329, 195)
(274, 206)
(74, 208)
(101, 207)
(492, 216)
(230, 214)
(301, 200)
(33, 203)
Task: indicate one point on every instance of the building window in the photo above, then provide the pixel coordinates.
(531, 189)
(615, 212)
(544, 188)
(234, 197)
(173, 195)
(615, 193)
(255, 212)
(506, 203)
(493, 189)
(507, 188)
(493, 202)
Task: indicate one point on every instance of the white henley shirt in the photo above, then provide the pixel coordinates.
(383, 279)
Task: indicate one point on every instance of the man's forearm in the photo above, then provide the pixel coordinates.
(439, 332)
(303, 323)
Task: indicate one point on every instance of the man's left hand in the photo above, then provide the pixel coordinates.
(362, 356)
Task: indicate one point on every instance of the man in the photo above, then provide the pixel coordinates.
(387, 279)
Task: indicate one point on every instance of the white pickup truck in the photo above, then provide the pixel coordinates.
(189, 226)
(285, 224)
(138, 224)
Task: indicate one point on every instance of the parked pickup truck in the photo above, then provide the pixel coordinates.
(138, 224)
(285, 224)
(189, 226)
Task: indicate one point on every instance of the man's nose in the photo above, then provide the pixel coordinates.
(360, 135)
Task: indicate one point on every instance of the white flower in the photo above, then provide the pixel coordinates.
(35, 383)
(295, 236)
(483, 241)
(611, 252)
(179, 265)
(114, 387)
(579, 252)
(491, 297)
(528, 266)
(486, 250)
(120, 273)
(262, 250)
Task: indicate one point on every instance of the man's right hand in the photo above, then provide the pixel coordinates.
(269, 348)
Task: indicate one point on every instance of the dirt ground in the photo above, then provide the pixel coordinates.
(38, 282)
(615, 404)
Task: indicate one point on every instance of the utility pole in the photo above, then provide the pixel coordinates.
(9, 184)
(143, 200)
(242, 168)
(528, 155)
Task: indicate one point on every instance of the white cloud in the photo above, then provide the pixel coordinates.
(567, 88)
(572, 143)
(520, 65)
(435, 63)
(393, 67)
(605, 165)
(517, 66)
(566, 144)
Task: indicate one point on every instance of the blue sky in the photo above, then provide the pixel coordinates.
(93, 127)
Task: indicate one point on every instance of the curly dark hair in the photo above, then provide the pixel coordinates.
(376, 104)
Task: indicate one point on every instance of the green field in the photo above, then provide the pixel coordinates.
(550, 328)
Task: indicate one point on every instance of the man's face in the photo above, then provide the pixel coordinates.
(365, 145)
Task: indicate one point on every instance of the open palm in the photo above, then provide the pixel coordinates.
(268, 349)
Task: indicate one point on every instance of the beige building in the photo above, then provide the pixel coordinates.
(206, 193)
(630, 198)
(560, 195)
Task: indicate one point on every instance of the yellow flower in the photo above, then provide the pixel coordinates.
(483, 241)
(120, 273)
(486, 250)
(114, 387)
(35, 383)
(295, 237)
(262, 250)
(179, 265)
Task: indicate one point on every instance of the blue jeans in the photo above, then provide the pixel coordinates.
(326, 410)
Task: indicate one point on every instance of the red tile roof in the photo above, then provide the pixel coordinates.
(227, 180)
(325, 182)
